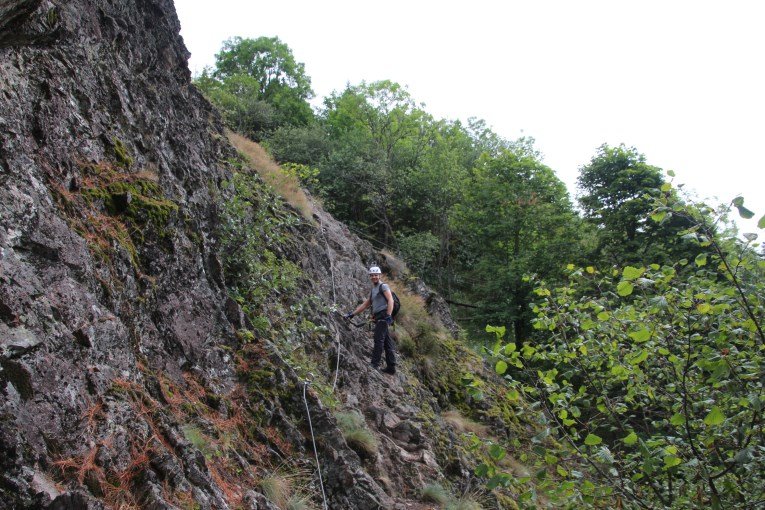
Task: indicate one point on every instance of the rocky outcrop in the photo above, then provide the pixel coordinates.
(129, 375)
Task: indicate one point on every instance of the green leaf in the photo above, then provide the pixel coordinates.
(715, 417)
(604, 316)
(632, 273)
(639, 358)
(761, 223)
(497, 452)
(659, 216)
(630, 439)
(641, 335)
(701, 259)
(618, 371)
(745, 213)
(624, 288)
(671, 461)
(666, 186)
(592, 440)
(498, 330)
(677, 419)
(501, 479)
(500, 367)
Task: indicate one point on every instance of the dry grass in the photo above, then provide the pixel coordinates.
(396, 266)
(81, 466)
(288, 490)
(465, 425)
(286, 185)
(435, 493)
(356, 433)
(92, 413)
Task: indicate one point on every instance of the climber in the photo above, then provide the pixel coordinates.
(381, 300)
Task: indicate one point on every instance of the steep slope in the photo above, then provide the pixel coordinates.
(170, 335)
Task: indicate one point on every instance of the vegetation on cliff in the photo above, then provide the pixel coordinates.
(634, 326)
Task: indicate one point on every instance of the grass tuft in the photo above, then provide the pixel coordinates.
(285, 184)
(288, 491)
(356, 434)
(465, 425)
(434, 493)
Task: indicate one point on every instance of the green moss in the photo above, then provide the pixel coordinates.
(245, 336)
(51, 17)
(121, 154)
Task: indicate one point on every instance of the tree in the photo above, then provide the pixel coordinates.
(656, 379)
(516, 219)
(380, 136)
(617, 186)
(258, 85)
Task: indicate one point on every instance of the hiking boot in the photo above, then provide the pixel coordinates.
(390, 369)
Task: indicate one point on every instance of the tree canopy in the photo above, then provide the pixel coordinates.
(258, 85)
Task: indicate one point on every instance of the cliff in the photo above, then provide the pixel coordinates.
(170, 334)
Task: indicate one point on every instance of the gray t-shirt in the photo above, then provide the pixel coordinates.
(379, 303)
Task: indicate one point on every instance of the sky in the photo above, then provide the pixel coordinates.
(681, 81)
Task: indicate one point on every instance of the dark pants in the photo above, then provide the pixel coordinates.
(383, 341)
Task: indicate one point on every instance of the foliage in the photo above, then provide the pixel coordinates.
(515, 219)
(419, 250)
(618, 189)
(258, 85)
(305, 145)
(656, 377)
(251, 237)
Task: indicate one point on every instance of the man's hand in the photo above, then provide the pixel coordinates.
(389, 320)
(348, 315)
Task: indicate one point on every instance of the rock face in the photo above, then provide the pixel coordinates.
(128, 375)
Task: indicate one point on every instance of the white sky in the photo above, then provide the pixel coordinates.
(682, 81)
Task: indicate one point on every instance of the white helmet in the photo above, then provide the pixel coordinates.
(374, 270)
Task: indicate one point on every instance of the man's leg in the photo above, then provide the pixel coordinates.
(390, 352)
(381, 329)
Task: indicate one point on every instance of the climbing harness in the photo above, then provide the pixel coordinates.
(313, 439)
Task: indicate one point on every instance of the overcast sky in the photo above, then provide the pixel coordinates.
(682, 81)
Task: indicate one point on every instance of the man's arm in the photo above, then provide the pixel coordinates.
(389, 298)
(363, 306)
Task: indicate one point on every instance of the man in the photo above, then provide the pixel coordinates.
(381, 301)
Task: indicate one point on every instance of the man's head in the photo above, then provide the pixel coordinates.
(375, 274)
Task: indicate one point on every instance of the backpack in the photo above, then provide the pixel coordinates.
(396, 304)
